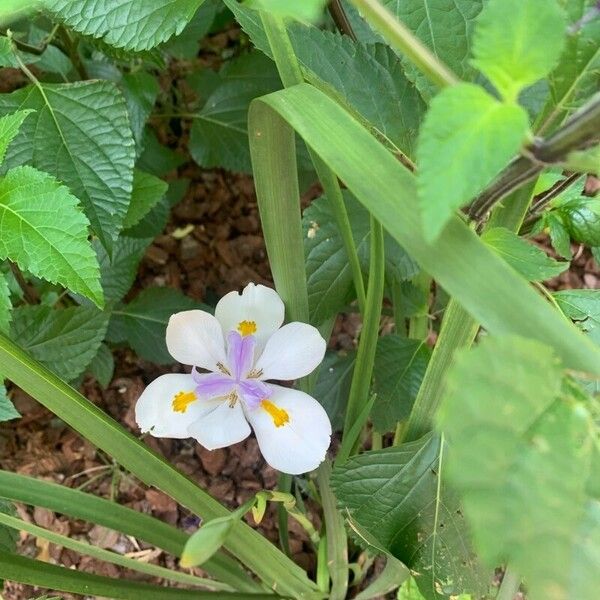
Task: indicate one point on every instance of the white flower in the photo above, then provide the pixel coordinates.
(243, 345)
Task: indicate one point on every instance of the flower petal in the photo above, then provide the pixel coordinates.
(291, 352)
(194, 337)
(294, 433)
(257, 304)
(212, 385)
(154, 411)
(224, 426)
(240, 353)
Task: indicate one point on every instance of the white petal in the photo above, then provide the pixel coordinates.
(299, 445)
(154, 409)
(256, 303)
(291, 352)
(222, 427)
(194, 337)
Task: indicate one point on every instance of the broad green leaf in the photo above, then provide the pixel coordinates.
(129, 24)
(156, 158)
(526, 258)
(516, 42)
(409, 591)
(466, 139)
(65, 340)
(117, 273)
(5, 305)
(79, 133)
(582, 306)
(445, 27)
(581, 217)
(8, 536)
(520, 455)
(145, 319)
(219, 135)
(206, 541)
(584, 161)
(308, 10)
(397, 497)
(148, 190)
(102, 366)
(9, 127)
(559, 235)
(368, 78)
(400, 364)
(7, 412)
(576, 77)
(45, 233)
(333, 385)
(12, 9)
(140, 90)
(152, 223)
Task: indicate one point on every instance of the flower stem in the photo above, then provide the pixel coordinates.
(509, 586)
(397, 35)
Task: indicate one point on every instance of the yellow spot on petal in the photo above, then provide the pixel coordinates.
(279, 416)
(181, 400)
(247, 327)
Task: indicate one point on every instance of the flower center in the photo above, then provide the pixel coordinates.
(181, 400)
(247, 328)
(280, 417)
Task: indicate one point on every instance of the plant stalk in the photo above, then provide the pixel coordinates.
(509, 586)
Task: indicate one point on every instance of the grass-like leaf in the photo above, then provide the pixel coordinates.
(45, 233)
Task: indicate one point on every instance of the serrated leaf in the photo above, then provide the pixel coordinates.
(517, 43)
(526, 258)
(219, 135)
(144, 321)
(102, 366)
(156, 158)
(5, 305)
(582, 306)
(79, 133)
(466, 139)
(152, 223)
(445, 27)
(9, 127)
(130, 24)
(45, 233)
(8, 535)
(64, 340)
(581, 217)
(140, 90)
(400, 364)
(147, 192)
(118, 272)
(333, 385)
(559, 236)
(7, 409)
(520, 454)
(396, 496)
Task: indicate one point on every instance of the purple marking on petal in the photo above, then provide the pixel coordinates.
(210, 385)
(240, 353)
(253, 391)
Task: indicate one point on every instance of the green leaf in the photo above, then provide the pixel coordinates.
(516, 43)
(368, 78)
(44, 232)
(526, 258)
(145, 319)
(308, 10)
(466, 139)
(79, 133)
(206, 541)
(140, 90)
(582, 220)
(130, 24)
(7, 412)
(219, 135)
(102, 366)
(559, 236)
(5, 305)
(156, 158)
(148, 190)
(118, 272)
(9, 127)
(582, 306)
(410, 591)
(520, 455)
(65, 340)
(445, 27)
(400, 364)
(8, 536)
(396, 495)
(333, 385)
(584, 161)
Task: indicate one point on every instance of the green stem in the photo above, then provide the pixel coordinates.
(284, 484)
(459, 330)
(399, 318)
(291, 74)
(365, 358)
(509, 586)
(418, 326)
(108, 556)
(397, 35)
